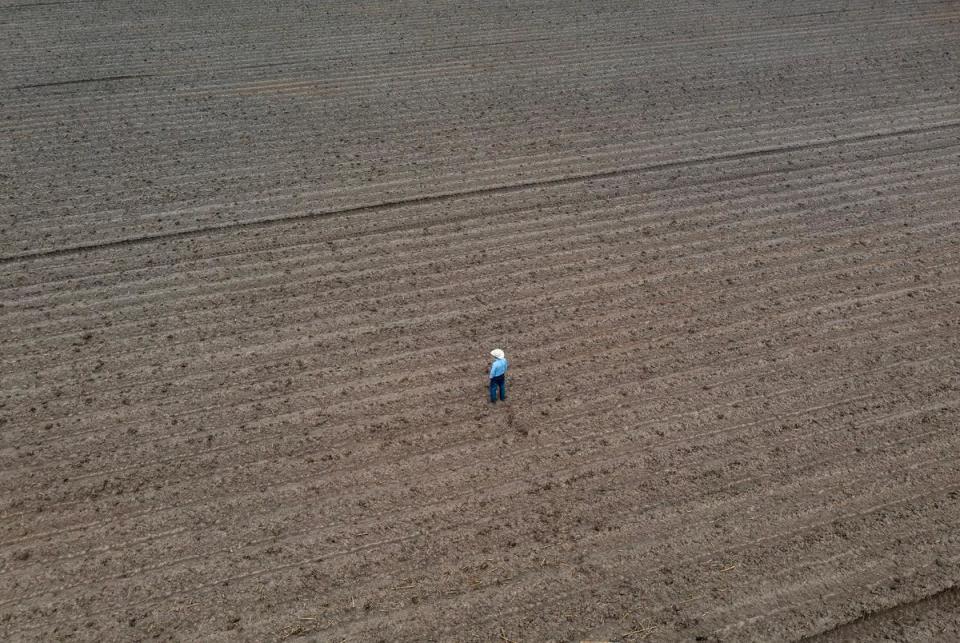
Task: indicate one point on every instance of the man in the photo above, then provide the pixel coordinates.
(498, 375)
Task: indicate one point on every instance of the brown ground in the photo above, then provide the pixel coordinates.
(253, 257)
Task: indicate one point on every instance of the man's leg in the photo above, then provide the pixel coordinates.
(503, 387)
(493, 390)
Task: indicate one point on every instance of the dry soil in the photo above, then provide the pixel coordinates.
(253, 256)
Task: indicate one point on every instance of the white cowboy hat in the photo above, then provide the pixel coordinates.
(496, 352)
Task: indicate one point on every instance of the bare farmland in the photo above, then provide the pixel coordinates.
(253, 257)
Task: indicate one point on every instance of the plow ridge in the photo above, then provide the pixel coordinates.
(505, 189)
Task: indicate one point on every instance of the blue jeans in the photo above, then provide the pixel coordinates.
(498, 382)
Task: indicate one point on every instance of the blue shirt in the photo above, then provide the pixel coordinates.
(498, 368)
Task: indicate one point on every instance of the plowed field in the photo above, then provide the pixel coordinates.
(253, 256)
